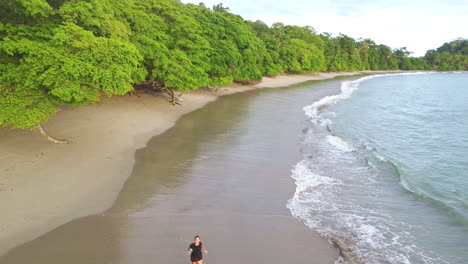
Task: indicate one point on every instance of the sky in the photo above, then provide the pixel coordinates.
(418, 25)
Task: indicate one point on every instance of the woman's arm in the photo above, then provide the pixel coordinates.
(204, 250)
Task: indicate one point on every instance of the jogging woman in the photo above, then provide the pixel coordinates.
(195, 249)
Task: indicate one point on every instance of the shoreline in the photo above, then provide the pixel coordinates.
(45, 185)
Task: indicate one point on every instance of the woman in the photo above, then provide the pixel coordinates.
(195, 249)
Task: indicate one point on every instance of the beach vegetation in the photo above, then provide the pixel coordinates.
(59, 53)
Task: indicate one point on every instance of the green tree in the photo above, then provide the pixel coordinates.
(73, 52)
(449, 57)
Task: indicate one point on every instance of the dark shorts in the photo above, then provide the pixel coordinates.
(195, 259)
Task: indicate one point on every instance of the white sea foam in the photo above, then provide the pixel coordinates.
(347, 88)
(308, 182)
(339, 143)
(331, 204)
(368, 233)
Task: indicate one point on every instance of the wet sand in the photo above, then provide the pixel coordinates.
(44, 186)
(223, 172)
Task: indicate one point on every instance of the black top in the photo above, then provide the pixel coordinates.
(196, 252)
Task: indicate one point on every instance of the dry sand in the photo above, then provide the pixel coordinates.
(45, 185)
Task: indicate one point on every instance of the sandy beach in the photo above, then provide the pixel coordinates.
(44, 185)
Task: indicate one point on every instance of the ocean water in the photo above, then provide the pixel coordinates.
(385, 168)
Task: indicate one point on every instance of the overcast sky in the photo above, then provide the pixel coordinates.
(418, 25)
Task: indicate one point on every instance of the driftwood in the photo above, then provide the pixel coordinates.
(44, 133)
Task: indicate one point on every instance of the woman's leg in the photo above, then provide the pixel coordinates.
(200, 262)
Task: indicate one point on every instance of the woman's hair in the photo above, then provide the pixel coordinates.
(196, 237)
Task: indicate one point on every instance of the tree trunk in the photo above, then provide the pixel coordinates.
(174, 99)
(157, 86)
(44, 133)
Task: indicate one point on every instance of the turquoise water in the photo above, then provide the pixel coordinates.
(385, 168)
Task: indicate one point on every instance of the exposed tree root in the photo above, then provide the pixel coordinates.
(157, 86)
(44, 133)
(174, 98)
(214, 88)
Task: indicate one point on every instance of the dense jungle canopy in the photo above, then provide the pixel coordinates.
(72, 52)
